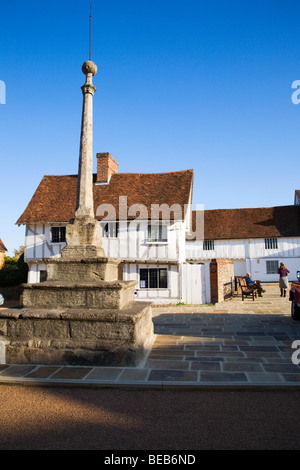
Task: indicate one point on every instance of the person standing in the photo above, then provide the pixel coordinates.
(283, 279)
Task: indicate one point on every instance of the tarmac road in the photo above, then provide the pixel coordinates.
(34, 418)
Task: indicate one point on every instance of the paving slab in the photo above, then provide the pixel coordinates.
(234, 345)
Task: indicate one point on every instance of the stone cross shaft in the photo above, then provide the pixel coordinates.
(85, 202)
(83, 234)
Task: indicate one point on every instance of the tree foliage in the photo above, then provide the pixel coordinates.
(15, 269)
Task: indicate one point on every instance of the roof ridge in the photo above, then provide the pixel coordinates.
(246, 208)
(158, 173)
(133, 173)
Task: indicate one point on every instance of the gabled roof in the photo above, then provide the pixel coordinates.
(2, 247)
(262, 222)
(55, 198)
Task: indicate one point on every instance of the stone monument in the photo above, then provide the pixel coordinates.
(82, 314)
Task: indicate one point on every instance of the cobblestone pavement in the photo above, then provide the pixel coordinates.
(234, 345)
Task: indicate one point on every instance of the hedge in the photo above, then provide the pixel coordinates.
(14, 272)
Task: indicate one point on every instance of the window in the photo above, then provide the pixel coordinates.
(58, 234)
(157, 233)
(43, 276)
(110, 229)
(272, 267)
(208, 245)
(153, 278)
(271, 243)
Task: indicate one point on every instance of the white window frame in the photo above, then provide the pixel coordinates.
(208, 245)
(60, 241)
(157, 233)
(147, 283)
(271, 243)
(272, 270)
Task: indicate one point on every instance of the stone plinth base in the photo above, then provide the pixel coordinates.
(77, 337)
(85, 294)
(93, 269)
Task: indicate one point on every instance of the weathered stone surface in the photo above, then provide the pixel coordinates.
(98, 337)
(83, 234)
(89, 67)
(91, 295)
(20, 329)
(97, 269)
(3, 327)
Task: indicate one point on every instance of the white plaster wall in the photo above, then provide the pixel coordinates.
(250, 255)
(258, 270)
(132, 244)
(244, 248)
(169, 295)
(34, 272)
(37, 242)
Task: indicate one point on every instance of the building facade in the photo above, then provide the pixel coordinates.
(148, 224)
(144, 219)
(256, 239)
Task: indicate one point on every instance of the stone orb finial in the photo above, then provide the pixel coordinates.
(89, 67)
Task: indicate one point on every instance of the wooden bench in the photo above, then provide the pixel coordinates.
(245, 289)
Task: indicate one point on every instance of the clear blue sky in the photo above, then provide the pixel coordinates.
(180, 84)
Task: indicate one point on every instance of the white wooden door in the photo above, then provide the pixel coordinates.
(193, 284)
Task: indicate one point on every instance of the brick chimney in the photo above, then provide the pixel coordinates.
(106, 166)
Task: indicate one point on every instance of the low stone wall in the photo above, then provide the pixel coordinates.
(221, 272)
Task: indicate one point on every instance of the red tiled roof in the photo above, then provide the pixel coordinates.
(55, 198)
(263, 222)
(2, 247)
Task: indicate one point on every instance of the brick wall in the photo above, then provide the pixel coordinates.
(106, 166)
(221, 272)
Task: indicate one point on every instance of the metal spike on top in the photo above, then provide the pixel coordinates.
(89, 67)
(90, 30)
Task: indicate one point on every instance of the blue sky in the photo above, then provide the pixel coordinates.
(180, 84)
